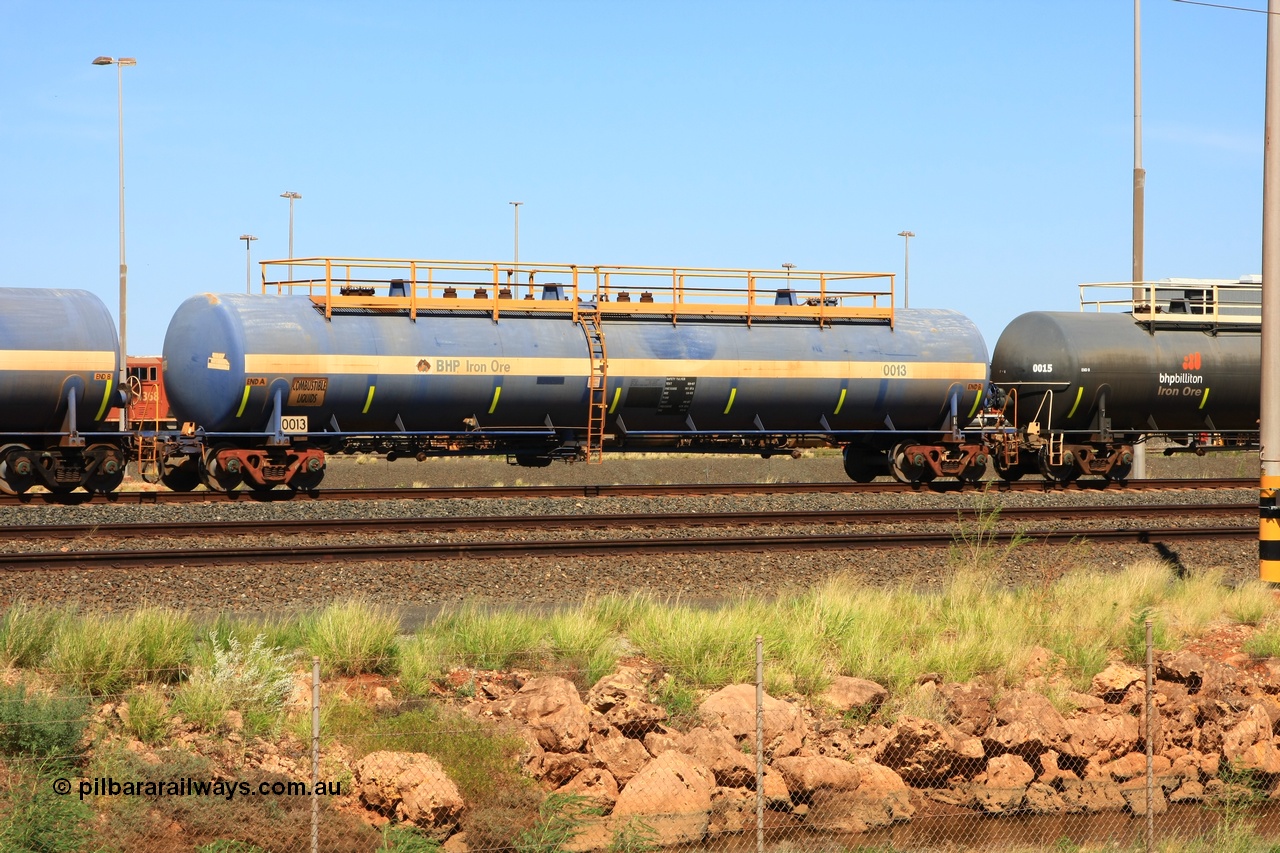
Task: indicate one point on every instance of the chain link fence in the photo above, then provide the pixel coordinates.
(623, 755)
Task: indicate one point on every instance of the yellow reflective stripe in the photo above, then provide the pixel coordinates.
(1205, 398)
(71, 361)
(617, 393)
(494, 404)
(368, 401)
(1076, 405)
(244, 400)
(462, 366)
(106, 398)
(733, 392)
(840, 404)
(977, 400)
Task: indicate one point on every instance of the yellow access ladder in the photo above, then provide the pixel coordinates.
(597, 407)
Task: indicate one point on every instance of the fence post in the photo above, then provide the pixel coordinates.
(1151, 830)
(759, 744)
(315, 754)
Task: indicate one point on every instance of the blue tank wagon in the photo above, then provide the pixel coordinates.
(1082, 387)
(453, 358)
(59, 368)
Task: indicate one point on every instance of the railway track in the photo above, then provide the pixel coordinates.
(602, 521)
(277, 553)
(421, 552)
(625, 490)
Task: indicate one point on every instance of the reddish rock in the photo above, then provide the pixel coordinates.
(662, 740)
(805, 776)
(968, 706)
(777, 795)
(847, 693)
(673, 795)
(1091, 796)
(552, 712)
(1004, 784)
(734, 708)
(1113, 682)
(411, 787)
(1050, 770)
(1253, 727)
(1108, 730)
(1042, 798)
(733, 810)
(1136, 798)
(926, 753)
(623, 700)
(881, 798)
(717, 749)
(621, 756)
(556, 768)
(1026, 723)
(594, 784)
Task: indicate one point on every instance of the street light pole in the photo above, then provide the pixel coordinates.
(906, 267)
(124, 268)
(248, 264)
(516, 265)
(292, 196)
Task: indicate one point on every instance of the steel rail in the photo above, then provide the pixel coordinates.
(130, 559)
(624, 490)
(597, 521)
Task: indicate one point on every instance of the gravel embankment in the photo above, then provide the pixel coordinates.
(551, 581)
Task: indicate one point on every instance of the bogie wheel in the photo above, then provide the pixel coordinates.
(975, 471)
(1122, 467)
(908, 468)
(180, 473)
(215, 476)
(1007, 471)
(110, 469)
(1065, 472)
(12, 481)
(863, 464)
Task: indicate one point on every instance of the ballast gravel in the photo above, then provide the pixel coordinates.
(423, 587)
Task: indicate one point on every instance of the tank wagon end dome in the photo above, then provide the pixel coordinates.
(204, 360)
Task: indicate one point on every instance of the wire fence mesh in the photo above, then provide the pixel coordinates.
(249, 752)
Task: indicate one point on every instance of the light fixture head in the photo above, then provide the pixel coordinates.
(247, 237)
(104, 60)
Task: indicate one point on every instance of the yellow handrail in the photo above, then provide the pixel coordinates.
(615, 289)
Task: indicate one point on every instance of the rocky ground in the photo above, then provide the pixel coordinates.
(836, 763)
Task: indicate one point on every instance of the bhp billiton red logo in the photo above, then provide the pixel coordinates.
(1191, 362)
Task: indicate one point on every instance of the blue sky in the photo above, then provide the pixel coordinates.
(736, 134)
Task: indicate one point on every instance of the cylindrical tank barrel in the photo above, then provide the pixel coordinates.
(53, 341)
(228, 357)
(1067, 368)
